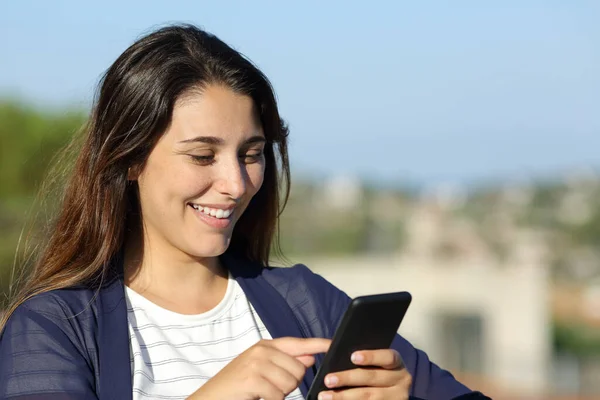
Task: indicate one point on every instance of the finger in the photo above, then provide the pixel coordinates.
(364, 393)
(373, 377)
(300, 346)
(385, 358)
(288, 363)
(283, 379)
(307, 361)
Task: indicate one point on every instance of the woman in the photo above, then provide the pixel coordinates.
(155, 281)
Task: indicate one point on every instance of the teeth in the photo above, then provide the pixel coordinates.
(213, 212)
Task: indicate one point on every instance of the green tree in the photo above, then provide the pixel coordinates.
(29, 140)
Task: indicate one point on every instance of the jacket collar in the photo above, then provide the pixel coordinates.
(113, 339)
(273, 309)
(115, 381)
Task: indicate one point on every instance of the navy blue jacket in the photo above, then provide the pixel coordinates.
(74, 344)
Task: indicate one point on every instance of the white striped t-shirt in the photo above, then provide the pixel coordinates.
(172, 354)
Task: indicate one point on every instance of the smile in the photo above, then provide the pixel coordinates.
(213, 212)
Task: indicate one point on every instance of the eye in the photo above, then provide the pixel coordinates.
(203, 160)
(252, 156)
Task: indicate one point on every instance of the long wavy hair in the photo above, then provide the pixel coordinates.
(132, 109)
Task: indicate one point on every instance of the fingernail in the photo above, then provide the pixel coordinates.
(357, 358)
(331, 380)
(325, 396)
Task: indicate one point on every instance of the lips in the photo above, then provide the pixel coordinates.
(218, 213)
(221, 219)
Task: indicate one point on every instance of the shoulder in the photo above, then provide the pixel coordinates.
(316, 302)
(50, 342)
(82, 303)
(299, 277)
(70, 312)
(60, 305)
(286, 274)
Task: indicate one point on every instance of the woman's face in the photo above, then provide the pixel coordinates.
(203, 172)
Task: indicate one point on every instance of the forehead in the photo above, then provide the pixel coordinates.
(214, 111)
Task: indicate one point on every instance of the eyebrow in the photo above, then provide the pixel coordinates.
(219, 141)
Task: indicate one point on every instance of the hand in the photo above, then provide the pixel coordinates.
(383, 378)
(269, 370)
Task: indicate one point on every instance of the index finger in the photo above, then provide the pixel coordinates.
(301, 346)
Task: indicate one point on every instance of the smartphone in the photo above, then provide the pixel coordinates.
(369, 323)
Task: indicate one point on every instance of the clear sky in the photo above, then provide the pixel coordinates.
(419, 91)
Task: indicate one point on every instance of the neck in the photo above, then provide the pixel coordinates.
(172, 279)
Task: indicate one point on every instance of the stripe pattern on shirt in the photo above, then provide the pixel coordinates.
(172, 354)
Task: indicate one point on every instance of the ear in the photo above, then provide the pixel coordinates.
(133, 173)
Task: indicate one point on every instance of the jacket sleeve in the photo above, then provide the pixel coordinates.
(429, 380)
(41, 356)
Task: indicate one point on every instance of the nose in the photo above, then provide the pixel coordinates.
(232, 178)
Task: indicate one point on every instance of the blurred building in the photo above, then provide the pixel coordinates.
(497, 275)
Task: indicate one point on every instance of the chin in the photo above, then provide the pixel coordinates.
(210, 248)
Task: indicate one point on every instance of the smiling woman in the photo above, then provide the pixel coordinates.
(155, 281)
(193, 185)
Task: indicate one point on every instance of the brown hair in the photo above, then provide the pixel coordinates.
(133, 108)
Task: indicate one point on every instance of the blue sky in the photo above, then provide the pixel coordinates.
(423, 91)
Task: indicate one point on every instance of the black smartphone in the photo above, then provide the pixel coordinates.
(369, 323)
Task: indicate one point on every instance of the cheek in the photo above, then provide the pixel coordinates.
(162, 183)
(256, 176)
(155, 183)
